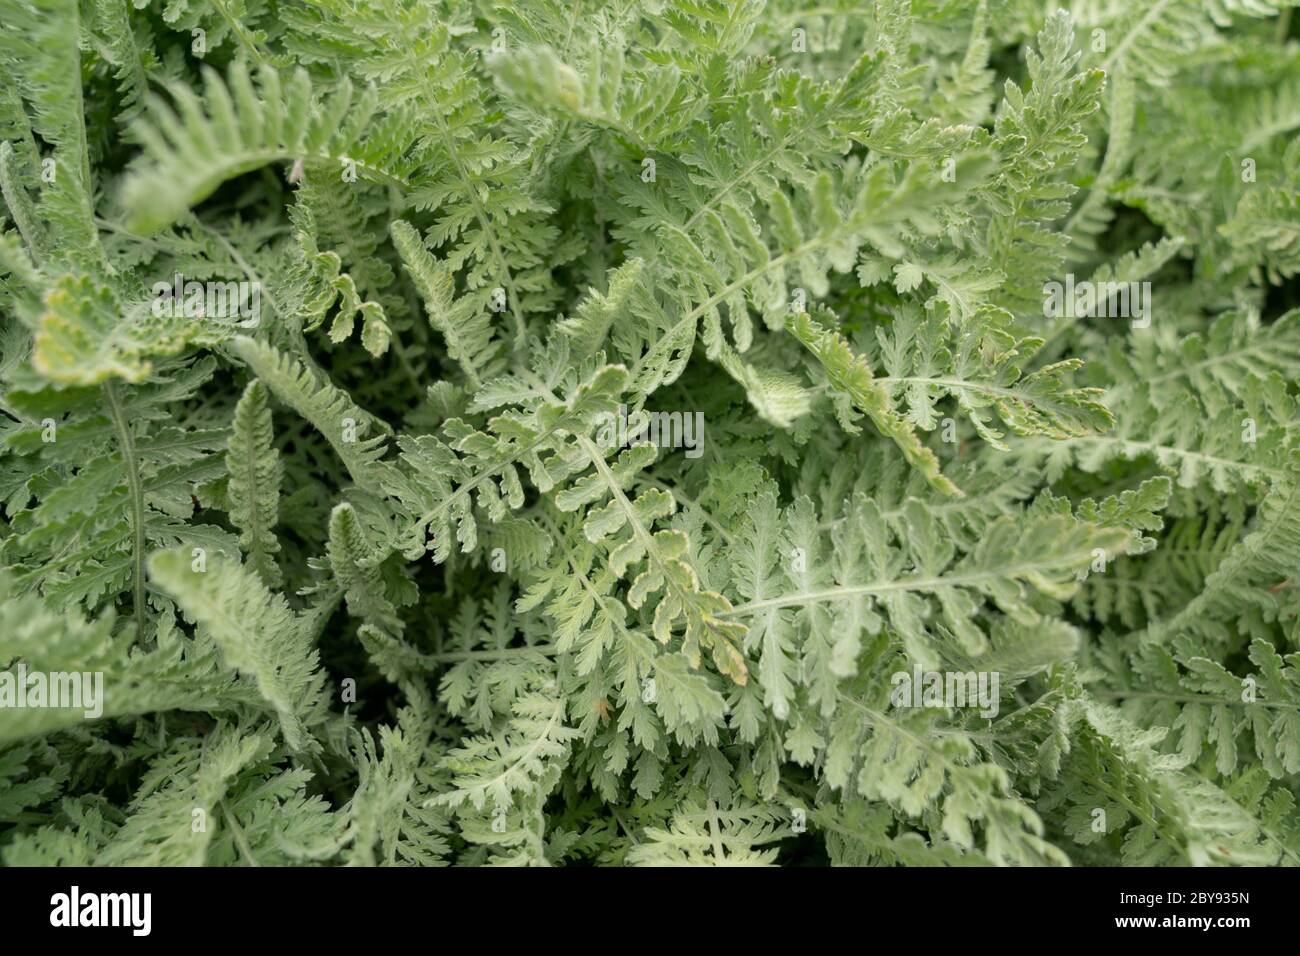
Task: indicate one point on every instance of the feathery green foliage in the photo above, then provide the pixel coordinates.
(693, 433)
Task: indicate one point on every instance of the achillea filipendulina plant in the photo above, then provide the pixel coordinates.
(703, 432)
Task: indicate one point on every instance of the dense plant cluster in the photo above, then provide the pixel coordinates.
(671, 432)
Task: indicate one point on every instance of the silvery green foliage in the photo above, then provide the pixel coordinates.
(369, 581)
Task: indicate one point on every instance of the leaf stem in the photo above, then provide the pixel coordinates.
(136, 493)
(451, 657)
